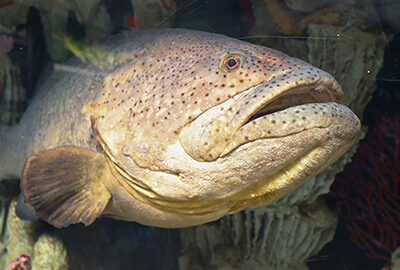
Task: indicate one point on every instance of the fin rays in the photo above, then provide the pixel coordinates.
(64, 185)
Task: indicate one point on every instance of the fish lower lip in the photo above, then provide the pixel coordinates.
(293, 120)
(291, 98)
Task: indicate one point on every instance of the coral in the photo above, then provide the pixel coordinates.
(396, 259)
(389, 12)
(154, 13)
(309, 5)
(258, 239)
(22, 263)
(5, 2)
(12, 92)
(49, 253)
(354, 58)
(91, 14)
(92, 17)
(293, 23)
(6, 44)
(19, 235)
(367, 194)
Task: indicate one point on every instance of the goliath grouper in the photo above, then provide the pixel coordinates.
(176, 128)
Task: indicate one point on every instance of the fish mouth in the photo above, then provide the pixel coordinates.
(293, 97)
(313, 89)
(287, 106)
(219, 125)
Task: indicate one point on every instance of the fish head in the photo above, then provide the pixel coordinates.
(198, 123)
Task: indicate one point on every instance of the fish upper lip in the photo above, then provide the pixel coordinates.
(277, 92)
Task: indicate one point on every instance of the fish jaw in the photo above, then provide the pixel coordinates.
(328, 131)
(255, 173)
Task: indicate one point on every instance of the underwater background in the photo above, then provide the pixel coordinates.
(348, 217)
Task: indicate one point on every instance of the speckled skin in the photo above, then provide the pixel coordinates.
(54, 118)
(174, 117)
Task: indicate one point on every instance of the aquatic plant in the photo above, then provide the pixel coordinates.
(366, 194)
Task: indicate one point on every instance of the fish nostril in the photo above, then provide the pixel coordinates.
(265, 60)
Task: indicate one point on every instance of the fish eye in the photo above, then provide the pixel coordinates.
(231, 62)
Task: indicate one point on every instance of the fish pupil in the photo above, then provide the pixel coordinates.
(232, 63)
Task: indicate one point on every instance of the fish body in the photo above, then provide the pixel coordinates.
(174, 128)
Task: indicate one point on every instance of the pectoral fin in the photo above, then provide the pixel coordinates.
(65, 185)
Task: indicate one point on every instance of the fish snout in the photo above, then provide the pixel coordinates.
(345, 125)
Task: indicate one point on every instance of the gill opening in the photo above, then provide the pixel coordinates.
(146, 195)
